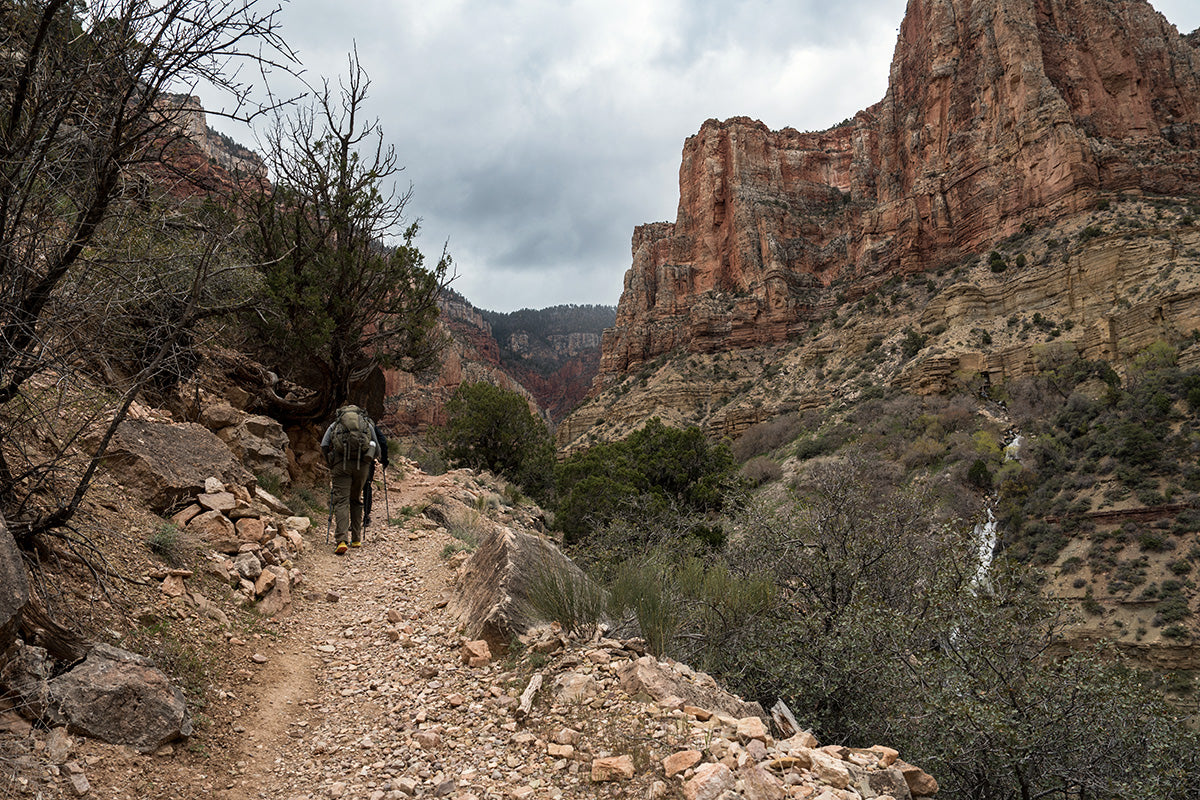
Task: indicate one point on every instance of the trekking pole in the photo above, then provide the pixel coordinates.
(329, 522)
(387, 510)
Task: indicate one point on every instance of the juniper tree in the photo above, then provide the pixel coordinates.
(346, 289)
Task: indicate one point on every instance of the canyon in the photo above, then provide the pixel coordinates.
(1000, 118)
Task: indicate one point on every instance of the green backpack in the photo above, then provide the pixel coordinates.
(352, 441)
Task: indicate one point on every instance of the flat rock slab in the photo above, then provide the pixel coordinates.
(217, 501)
(661, 680)
(167, 463)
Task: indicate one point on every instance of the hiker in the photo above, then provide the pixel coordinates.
(382, 455)
(349, 446)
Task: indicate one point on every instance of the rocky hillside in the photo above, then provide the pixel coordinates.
(1001, 117)
(554, 352)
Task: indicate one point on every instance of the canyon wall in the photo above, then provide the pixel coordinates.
(1000, 116)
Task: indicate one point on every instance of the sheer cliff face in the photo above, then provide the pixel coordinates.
(1000, 114)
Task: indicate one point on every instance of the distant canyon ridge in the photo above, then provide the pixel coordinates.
(1000, 116)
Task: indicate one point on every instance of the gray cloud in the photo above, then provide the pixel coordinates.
(537, 133)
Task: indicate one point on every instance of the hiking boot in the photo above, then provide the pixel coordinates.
(340, 550)
(356, 544)
(366, 521)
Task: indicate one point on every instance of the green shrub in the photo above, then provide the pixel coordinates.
(165, 543)
(560, 593)
(492, 428)
(912, 343)
(655, 470)
(979, 475)
(1152, 541)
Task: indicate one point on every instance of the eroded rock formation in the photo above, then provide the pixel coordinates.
(1000, 115)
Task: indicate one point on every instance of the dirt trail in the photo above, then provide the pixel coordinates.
(263, 715)
(281, 711)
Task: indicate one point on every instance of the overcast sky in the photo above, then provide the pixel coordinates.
(537, 133)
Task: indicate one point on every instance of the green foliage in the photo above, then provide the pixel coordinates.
(979, 476)
(165, 543)
(559, 593)
(339, 298)
(875, 629)
(672, 596)
(657, 467)
(912, 343)
(492, 428)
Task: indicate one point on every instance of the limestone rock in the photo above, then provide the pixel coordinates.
(680, 762)
(260, 444)
(250, 529)
(920, 783)
(612, 768)
(659, 680)
(709, 782)
(213, 526)
(120, 698)
(758, 784)
(166, 463)
(474, 653)
(14, 586)
(492, 590)
(25, 674)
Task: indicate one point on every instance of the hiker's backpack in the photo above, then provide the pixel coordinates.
(352, 442)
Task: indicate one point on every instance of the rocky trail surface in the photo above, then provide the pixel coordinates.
(367, 689)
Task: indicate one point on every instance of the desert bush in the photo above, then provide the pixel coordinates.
(566, 596)
(760, 470)
(492, 428)
(655, 470)
(764, 437)
(979, 475)
(467, 526)
(166, 544)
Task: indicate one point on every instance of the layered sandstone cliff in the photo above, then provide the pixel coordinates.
(1000, 115)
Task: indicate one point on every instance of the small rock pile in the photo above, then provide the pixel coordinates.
(255, 542)
(715, 756)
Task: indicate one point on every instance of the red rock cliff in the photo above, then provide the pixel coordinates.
(999, 113)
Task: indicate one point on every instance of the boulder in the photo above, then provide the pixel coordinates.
(248, 566)
(220, 414)
(213, 526)
(166, 463)
(710, 782)
(14, 586)
(250, 529)
(278, 600)
(121, 698)
(660, 680)
(493, 587)
(920, 783)
(260, 444)
(875, 782)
